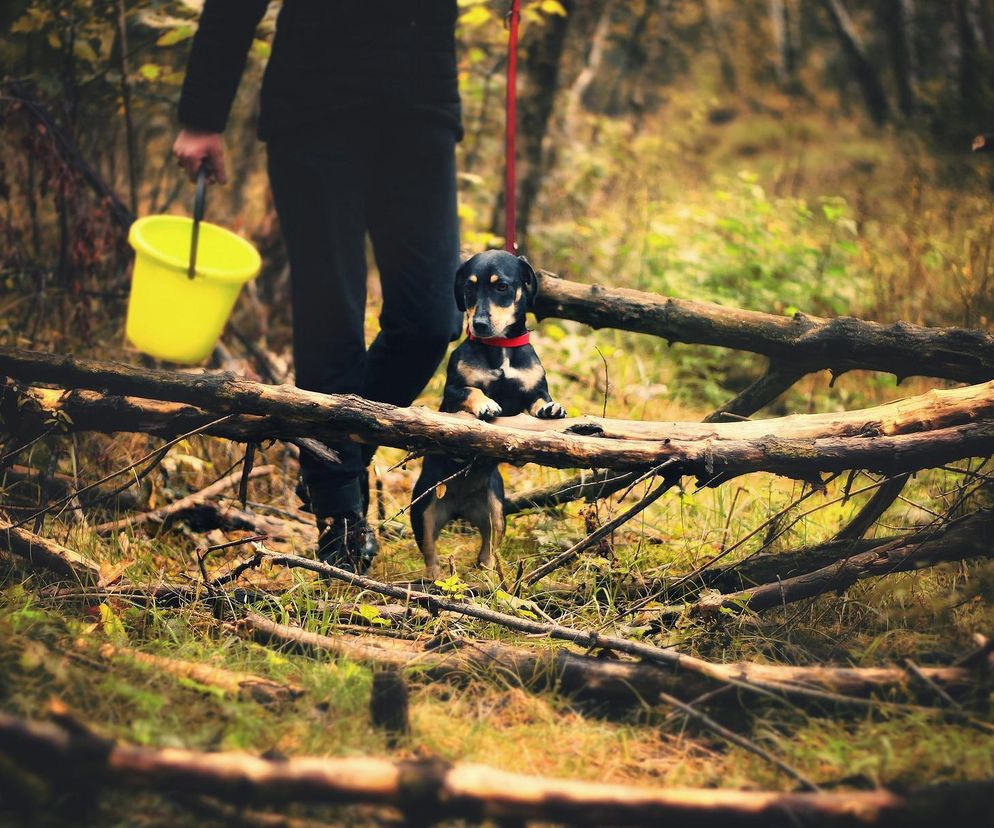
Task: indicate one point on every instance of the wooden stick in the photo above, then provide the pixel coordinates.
(874, 508)
(236, 683)
(46, 554)
(433, 789)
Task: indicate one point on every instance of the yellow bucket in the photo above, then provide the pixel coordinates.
(170, 315)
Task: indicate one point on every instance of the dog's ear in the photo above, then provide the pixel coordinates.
(462, 274)
(528, 279)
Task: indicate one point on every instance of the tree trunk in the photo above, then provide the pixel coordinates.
(595, 57)
(543, 45)
(899, 22)
(785, 62)
(863, 68)
(720, 39)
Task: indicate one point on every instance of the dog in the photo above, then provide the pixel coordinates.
(494, 372)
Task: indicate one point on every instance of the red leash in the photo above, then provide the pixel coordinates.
(510, 195)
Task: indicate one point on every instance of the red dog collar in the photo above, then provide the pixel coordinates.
(501, 341)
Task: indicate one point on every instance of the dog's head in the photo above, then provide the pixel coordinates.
(496, 289)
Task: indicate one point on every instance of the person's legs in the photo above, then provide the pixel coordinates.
(414, 227)
(318, 188)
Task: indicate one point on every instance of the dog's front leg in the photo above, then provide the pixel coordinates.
(472, 400)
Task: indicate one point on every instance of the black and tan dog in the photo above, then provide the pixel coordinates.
(494, 372)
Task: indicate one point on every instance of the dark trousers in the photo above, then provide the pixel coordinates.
(394, 178)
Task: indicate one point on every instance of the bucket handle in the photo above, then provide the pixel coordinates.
(199, 201)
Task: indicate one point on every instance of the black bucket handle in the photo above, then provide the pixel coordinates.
(199, 202)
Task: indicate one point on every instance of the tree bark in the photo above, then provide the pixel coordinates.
(432, 789)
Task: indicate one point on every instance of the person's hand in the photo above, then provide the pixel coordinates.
(192, 148)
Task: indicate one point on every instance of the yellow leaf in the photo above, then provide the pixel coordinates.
(111, 623)
(553, 7)
(175, 36)
(150, 71)
(476, 16)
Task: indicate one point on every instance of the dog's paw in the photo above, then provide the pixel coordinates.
(548, 411)
(487, 409)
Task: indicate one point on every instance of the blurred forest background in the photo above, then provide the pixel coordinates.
(773, 154)
(777, 155)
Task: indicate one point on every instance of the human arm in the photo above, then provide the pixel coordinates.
(215, 66)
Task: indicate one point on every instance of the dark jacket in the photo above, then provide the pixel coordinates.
(330, 59)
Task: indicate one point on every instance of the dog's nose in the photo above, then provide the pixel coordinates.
(481, 327)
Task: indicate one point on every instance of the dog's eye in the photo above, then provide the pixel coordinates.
(501, 287)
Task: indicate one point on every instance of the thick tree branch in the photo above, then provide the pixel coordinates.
(910, 434)
(810, 342)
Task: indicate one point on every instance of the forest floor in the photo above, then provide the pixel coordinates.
(790, 213)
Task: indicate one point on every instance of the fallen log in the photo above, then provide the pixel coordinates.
(233, 682)
(615, 681)
(914, 433)
(965, 538)
(432, 789)
(39, 552)
(806, 342)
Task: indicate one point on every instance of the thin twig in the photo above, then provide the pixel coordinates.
(605, 530)
(158, 453)
(736, 739)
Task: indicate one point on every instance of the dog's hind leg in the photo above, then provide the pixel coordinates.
(488, 519)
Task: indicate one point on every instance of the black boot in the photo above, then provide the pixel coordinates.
(346, 541)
